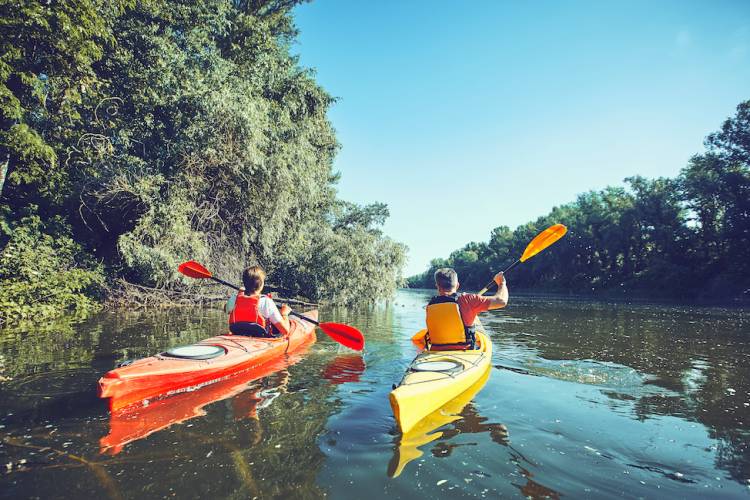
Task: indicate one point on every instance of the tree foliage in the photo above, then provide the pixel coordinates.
(160, 131)
(47, 52)
(45, 274)
(677, 237)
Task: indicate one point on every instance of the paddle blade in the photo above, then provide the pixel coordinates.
(417, 337)
(543, 240)
(192, 269)
(344, 334)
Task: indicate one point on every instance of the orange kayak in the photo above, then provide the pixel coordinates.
(207, 362)
(133, 423)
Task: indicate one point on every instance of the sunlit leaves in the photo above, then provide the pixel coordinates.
(162, 131)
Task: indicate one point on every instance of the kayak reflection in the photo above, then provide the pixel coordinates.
(131, 424)
(248, 392)
(465, 419)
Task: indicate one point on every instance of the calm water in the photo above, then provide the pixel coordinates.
(585, 400)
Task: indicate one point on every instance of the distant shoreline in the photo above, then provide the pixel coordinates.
(619, 298)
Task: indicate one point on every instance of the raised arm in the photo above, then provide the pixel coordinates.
(500, 299)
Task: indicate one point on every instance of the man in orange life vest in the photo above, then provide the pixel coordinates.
(450, 315)
(253, 314)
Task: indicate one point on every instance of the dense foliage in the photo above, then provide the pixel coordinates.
(687, 237)
(152, 132)
(44, 274)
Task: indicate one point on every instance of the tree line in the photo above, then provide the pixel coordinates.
(135, 134)
(685, 237)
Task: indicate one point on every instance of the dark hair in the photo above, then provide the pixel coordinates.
(446, 278)
(253, 278)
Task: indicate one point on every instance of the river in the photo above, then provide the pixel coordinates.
(585, 400)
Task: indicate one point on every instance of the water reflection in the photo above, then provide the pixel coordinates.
(131, 424)
(532, 489)
(344, 368)
(599, 400)
(674, 361)
(51, 418)
(464, 419)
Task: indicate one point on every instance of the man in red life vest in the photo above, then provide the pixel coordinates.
(450, 315)
(253, 314)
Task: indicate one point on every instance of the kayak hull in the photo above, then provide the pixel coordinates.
(242, 389)
(424, 432)
(421, 392)
(163, 375)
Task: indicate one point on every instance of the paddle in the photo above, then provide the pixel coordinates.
(542, 241)
(343, 334)
(539, 243)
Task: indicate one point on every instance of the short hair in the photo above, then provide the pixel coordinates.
(254, 277)
(446, 278)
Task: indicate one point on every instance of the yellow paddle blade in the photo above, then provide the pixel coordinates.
(543, 240)
(419, 335)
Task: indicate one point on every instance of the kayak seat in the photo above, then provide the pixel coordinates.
(248, 329)
(449, 347)
(454, 347)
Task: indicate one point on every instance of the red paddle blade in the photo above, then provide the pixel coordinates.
(344, 334)
(194, 270)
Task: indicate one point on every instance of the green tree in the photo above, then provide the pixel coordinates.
(163, 131)
(45, 274)
(660, 236)
(47, 52)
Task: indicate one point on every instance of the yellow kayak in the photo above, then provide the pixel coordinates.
(436, 377)
(422, 433)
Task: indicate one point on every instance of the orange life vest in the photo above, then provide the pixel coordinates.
(246, 310)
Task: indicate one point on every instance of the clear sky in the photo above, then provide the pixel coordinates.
(464, 116)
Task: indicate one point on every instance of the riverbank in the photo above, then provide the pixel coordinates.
(619, 297)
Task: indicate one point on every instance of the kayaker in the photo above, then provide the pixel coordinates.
(253, 314)
(451, 315)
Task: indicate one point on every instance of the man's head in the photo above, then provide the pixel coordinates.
(446, 280)
(254, 277)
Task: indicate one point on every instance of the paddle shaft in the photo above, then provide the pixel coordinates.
(293, 313)
(492, 281)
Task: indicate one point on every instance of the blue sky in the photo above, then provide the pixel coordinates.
(464, 116)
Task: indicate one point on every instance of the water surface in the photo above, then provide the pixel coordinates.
(584, 400)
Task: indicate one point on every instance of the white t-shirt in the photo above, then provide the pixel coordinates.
(266, 308)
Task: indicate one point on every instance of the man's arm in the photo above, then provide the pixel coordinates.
(500, 299)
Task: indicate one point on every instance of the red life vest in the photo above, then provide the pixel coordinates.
(246, 310)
